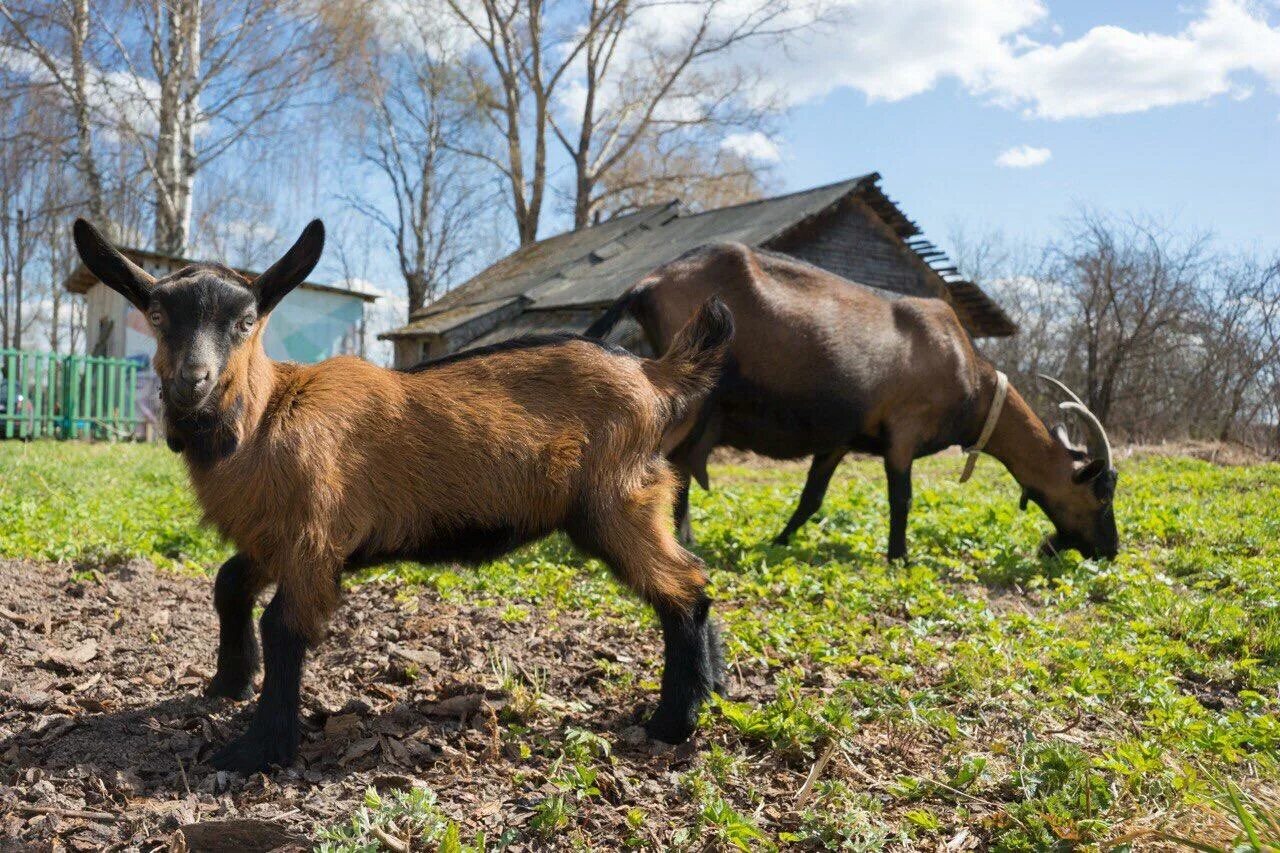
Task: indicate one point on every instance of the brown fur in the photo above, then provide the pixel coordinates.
(820, 366)
(310, 470)
(342, 455)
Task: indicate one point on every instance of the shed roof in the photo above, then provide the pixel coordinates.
(593, 266)
(80, 279)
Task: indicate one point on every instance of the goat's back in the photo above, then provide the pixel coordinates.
(354, 458)
(813, 351)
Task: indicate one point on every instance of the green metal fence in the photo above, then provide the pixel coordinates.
(45, 395)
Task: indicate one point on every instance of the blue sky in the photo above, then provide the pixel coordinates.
(1012, 115)
(1204, 162)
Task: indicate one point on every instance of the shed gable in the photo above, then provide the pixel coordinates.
(853, 242)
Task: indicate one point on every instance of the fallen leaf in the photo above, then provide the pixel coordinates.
(339, 725)
(457, 706)
(72, 659)
(359, 748)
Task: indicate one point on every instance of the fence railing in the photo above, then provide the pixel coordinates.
(45, 395)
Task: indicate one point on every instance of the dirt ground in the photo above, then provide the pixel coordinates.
(104, 731)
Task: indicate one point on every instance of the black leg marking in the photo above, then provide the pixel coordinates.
(272, 736)
(899, 508)
(688, 675)
(684, 530)
(715, 653)
(815, 489)
(234, 592)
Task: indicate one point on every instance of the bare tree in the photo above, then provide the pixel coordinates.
(55, 36)
(596, 76)
(678, 96)
(702, 178)
(198, 77)
(523, 61)
(1237, 337)
(25, 159)
(417, 116)
(1130, 282)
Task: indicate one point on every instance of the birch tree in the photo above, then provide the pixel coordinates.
(54, 38)
(200, 77)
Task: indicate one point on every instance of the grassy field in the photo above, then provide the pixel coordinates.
(977, 692)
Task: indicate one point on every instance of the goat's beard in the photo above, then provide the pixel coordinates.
(207, 435)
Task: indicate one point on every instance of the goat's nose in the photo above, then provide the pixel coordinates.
(195, 374)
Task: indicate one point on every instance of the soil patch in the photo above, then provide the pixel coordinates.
(105, 733)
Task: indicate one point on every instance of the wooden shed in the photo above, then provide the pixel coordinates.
(564, 282)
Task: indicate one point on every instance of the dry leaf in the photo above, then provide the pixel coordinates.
(72, 659)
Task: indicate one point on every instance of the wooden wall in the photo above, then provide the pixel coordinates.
(852, 241)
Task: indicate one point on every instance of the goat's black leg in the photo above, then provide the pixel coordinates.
(684, 530)
(273, 734)
(234, 591)
(815, 489)
(632, 534)
(689, 670)
(899, 477)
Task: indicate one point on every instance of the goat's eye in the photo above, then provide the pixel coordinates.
(246, 324)
(155, 317)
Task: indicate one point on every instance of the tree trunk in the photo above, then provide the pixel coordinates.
(418, 287)
(177, 59)
(86, 162)
(20, 262)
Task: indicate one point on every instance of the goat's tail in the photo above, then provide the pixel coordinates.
(602, 327)
(689, 369)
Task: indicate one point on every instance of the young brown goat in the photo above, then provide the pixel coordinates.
(822, 366)
(311, 470)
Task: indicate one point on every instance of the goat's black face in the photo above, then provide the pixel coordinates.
(200, 315)
(1084, 518)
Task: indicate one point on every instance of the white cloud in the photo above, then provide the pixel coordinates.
(753, 146)
(894, 49)
(1112, 70)
(1012, 52)
(1023, 157)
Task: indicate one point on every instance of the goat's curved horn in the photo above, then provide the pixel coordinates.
(1098, 443)
(1071, 395)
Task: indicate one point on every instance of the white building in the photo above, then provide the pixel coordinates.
(314, 322)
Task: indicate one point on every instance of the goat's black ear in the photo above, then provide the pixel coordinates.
(1090, 472)
(112, 268)
(291, 270)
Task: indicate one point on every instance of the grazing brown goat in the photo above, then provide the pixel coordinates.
(821, 366)
(312, 470)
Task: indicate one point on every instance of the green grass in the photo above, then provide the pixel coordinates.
(100, 503)
(1042, 702)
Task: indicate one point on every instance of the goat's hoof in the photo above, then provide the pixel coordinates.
(238, 689)
(783, 538)
(254, 751)
(670, 729)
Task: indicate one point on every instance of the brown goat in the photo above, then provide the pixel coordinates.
(821, 366)
(313, 470)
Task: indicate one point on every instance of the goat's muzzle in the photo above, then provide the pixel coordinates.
(185, 396)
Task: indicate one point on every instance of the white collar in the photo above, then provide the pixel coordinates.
(993, 415)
